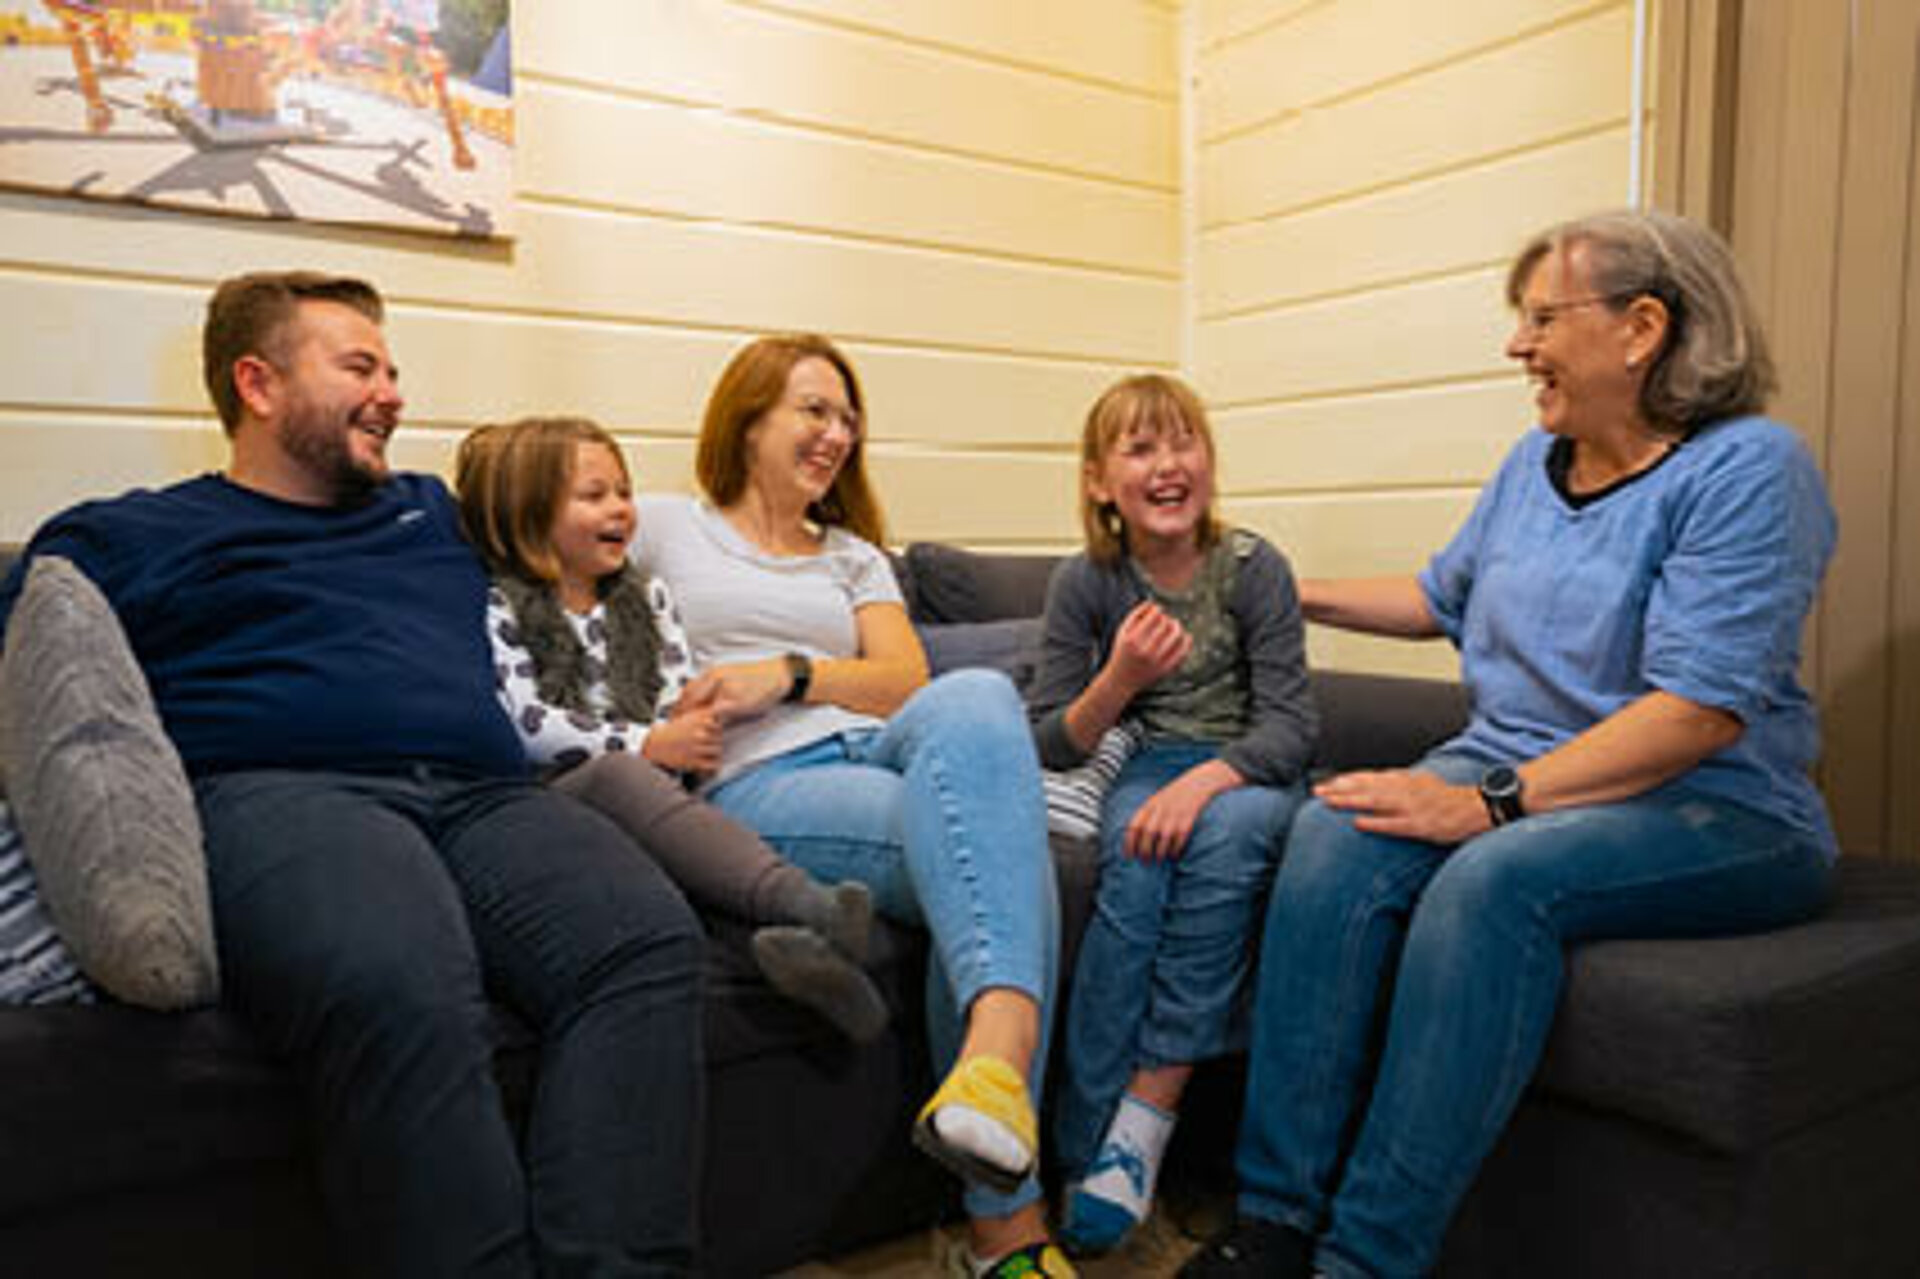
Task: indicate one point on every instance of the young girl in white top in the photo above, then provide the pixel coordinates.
(591, 660)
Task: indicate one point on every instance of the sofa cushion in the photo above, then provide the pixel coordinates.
(950, 584)
(1382, 721)
(1010, 645)
(1737, 1042)
(107, 1098)
(101, 797)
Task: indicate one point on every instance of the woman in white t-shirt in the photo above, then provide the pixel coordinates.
(848, 761)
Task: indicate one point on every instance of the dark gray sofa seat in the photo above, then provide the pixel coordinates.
(154, 1145)
(1742, 1107)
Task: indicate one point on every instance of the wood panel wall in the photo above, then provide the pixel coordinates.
(1365, 169)
(982, 200)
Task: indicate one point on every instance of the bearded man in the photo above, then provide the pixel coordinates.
(380, 862)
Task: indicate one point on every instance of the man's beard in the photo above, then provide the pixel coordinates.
(321, 439)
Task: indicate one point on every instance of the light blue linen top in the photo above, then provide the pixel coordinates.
(1694, 578)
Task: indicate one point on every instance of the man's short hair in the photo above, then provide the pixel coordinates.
(251, 315)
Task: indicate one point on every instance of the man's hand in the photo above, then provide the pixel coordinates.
(1408, 803)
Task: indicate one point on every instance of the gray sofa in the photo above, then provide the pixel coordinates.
(1746, 1107)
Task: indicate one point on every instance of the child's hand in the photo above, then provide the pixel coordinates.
(1159, 828)
(1149, 646)
(687, 743)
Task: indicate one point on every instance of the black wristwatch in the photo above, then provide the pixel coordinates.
(799, 677)
(1500, 791)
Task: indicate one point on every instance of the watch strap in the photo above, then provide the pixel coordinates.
(799, 676)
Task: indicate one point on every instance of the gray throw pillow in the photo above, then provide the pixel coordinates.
(101, 798)
(952, 584)
(1010, 647)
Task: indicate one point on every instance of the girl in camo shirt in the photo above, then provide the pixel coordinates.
(1191, 632)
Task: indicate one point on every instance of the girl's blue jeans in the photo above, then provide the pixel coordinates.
(940, 813)
(1406, 990)
(1160, 973)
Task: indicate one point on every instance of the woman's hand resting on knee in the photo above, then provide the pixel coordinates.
(1409, 803)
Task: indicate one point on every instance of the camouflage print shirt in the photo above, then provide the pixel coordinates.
(1243, 686)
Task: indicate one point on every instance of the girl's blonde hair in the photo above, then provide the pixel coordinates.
(512, 480)
(1146, 402)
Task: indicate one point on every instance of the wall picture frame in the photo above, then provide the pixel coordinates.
(390, 113)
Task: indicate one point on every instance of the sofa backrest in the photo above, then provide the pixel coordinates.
(945, 585)
(1382, 721)
(982, 609)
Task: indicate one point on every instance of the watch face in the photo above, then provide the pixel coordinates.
(1500, 791)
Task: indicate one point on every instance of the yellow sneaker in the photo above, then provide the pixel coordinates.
(1035, 1261)
(980, 1124)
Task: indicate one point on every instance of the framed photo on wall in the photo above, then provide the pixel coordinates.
(395, 113)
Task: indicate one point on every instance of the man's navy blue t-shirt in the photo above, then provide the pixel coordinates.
(276, 635)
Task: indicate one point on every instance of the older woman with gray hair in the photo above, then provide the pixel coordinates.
(1627, 597)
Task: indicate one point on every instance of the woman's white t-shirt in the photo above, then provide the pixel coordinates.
(741, 604)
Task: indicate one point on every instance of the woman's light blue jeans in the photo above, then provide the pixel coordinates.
(1161, 971)
(940, 813)
(1368, 1143)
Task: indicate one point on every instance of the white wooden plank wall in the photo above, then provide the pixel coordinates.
(1365, 170)
(980, 199)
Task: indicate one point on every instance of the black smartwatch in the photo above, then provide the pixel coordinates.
(1500, 791)
(799, 677)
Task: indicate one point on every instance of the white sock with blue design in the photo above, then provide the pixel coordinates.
(1117, 1192)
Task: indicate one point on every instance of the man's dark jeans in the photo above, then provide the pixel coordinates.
(365, 919)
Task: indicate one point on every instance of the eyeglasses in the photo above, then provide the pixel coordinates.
(1536, 320)
(825, 413)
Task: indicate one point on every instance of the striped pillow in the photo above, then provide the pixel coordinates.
(35, 967)
(1074, 797)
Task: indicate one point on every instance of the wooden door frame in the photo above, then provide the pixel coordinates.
(1695, 108)
(1843, 130)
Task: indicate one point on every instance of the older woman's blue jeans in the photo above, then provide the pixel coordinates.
(1160, 973)
(940, 813)
(1367, 1143)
